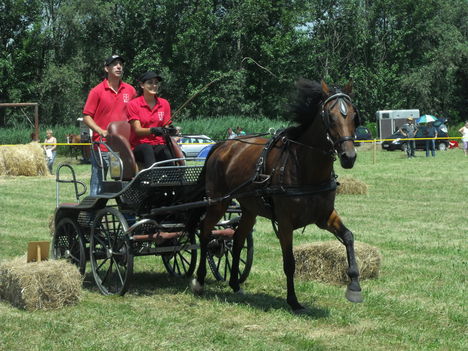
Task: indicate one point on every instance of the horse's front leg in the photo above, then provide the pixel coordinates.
(336, 226)
(213, 214)
(289, 266)
(245, 226)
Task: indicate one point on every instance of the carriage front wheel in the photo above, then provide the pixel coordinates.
(220, 250)
(110, 252)
(182, 260)
(68, 243)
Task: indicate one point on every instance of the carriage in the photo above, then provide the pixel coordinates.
(162, 210)
(140, 213)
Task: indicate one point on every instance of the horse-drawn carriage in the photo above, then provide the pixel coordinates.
(288, 178)
(139, 213)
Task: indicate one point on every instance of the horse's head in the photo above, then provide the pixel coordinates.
(340, 118)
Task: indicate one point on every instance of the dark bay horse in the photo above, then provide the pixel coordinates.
(288, 179)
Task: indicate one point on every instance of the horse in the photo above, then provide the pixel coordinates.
(288, 179)
(76, 150)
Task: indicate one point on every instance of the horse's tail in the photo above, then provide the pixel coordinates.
(196, 215)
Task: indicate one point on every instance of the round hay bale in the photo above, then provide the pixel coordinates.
(39, 285)
(327, 262)
(351, 186)
(23, 160)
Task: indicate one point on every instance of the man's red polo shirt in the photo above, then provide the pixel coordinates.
(159, 116)
(104, 105)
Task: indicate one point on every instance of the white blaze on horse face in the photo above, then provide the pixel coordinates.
(343, 108)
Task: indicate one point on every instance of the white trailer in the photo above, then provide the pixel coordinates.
(389, 121)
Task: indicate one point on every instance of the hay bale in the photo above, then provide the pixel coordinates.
(351, 186)
(327, 262)
(40, 285)
(23, 160)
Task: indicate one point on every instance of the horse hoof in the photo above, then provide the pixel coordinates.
(196, 287)
(354, 296)
(240, 292)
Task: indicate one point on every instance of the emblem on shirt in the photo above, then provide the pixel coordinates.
(161, 115)
(126, 98)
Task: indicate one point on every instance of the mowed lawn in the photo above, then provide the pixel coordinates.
(416, 213)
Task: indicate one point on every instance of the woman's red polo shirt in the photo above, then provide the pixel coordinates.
(159, 116)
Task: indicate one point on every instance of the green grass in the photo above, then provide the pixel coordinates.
(415, 213)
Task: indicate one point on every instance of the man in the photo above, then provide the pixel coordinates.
(409, 131)
(430, 132)
(107, 102)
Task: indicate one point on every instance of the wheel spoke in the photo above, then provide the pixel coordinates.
(117, 268)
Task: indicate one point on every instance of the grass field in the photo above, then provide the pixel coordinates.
(415, 213)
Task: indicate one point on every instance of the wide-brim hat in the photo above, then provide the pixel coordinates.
(149, 75)
(112, 58)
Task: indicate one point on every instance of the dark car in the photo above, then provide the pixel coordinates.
(361, 133)
(399, 142)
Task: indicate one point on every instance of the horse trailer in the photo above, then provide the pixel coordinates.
(390, 120)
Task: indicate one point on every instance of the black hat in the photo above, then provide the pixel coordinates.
(149, 75)
(112, 58)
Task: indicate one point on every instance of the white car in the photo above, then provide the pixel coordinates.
(191, 145)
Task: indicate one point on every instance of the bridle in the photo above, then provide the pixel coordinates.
(343, 100)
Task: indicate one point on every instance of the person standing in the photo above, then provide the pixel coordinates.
(464, 131)
(150, 118)
(430, 132)
(51, 150)
(409, 131)
(107, 102)
(230, 133)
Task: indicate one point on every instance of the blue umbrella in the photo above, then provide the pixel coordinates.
(426, 119)
(204, 152)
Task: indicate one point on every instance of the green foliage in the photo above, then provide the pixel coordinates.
(236, 57)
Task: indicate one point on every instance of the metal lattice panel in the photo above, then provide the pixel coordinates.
(159, 178)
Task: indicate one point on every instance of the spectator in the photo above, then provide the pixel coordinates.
(430, 132)
(230, 133)
(409, 131)
(50, 150)
(464, 131)
(239, 131)
(107, 102)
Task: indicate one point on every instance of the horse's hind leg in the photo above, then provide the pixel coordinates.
(246, 224)
(336, 226)
(213, 214)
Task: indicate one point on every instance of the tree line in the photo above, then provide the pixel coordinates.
(236, 57)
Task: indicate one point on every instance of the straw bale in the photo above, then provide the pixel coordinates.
(23, 160)
(44, 285)
(327, 262)
(351, 186)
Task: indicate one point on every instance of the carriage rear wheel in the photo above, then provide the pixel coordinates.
(68, 243)
(220, 251)
(182, 261)
(110, 252)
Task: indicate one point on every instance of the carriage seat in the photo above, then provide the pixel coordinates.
(118, 139)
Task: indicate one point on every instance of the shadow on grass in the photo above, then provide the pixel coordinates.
(151, 283)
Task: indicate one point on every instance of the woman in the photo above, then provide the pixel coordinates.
(50, 150)
(464, 131)
(150, 118)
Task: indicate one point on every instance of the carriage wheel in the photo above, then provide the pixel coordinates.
(68, 243)
(110, 252)
(181, 263)
(220, 252)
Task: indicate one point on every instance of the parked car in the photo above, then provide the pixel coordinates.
(399, 142)
(191, 145)
(362, 133)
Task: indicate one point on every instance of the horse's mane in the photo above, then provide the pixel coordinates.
(305, 106)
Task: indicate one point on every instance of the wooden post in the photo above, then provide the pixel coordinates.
(375, 151)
